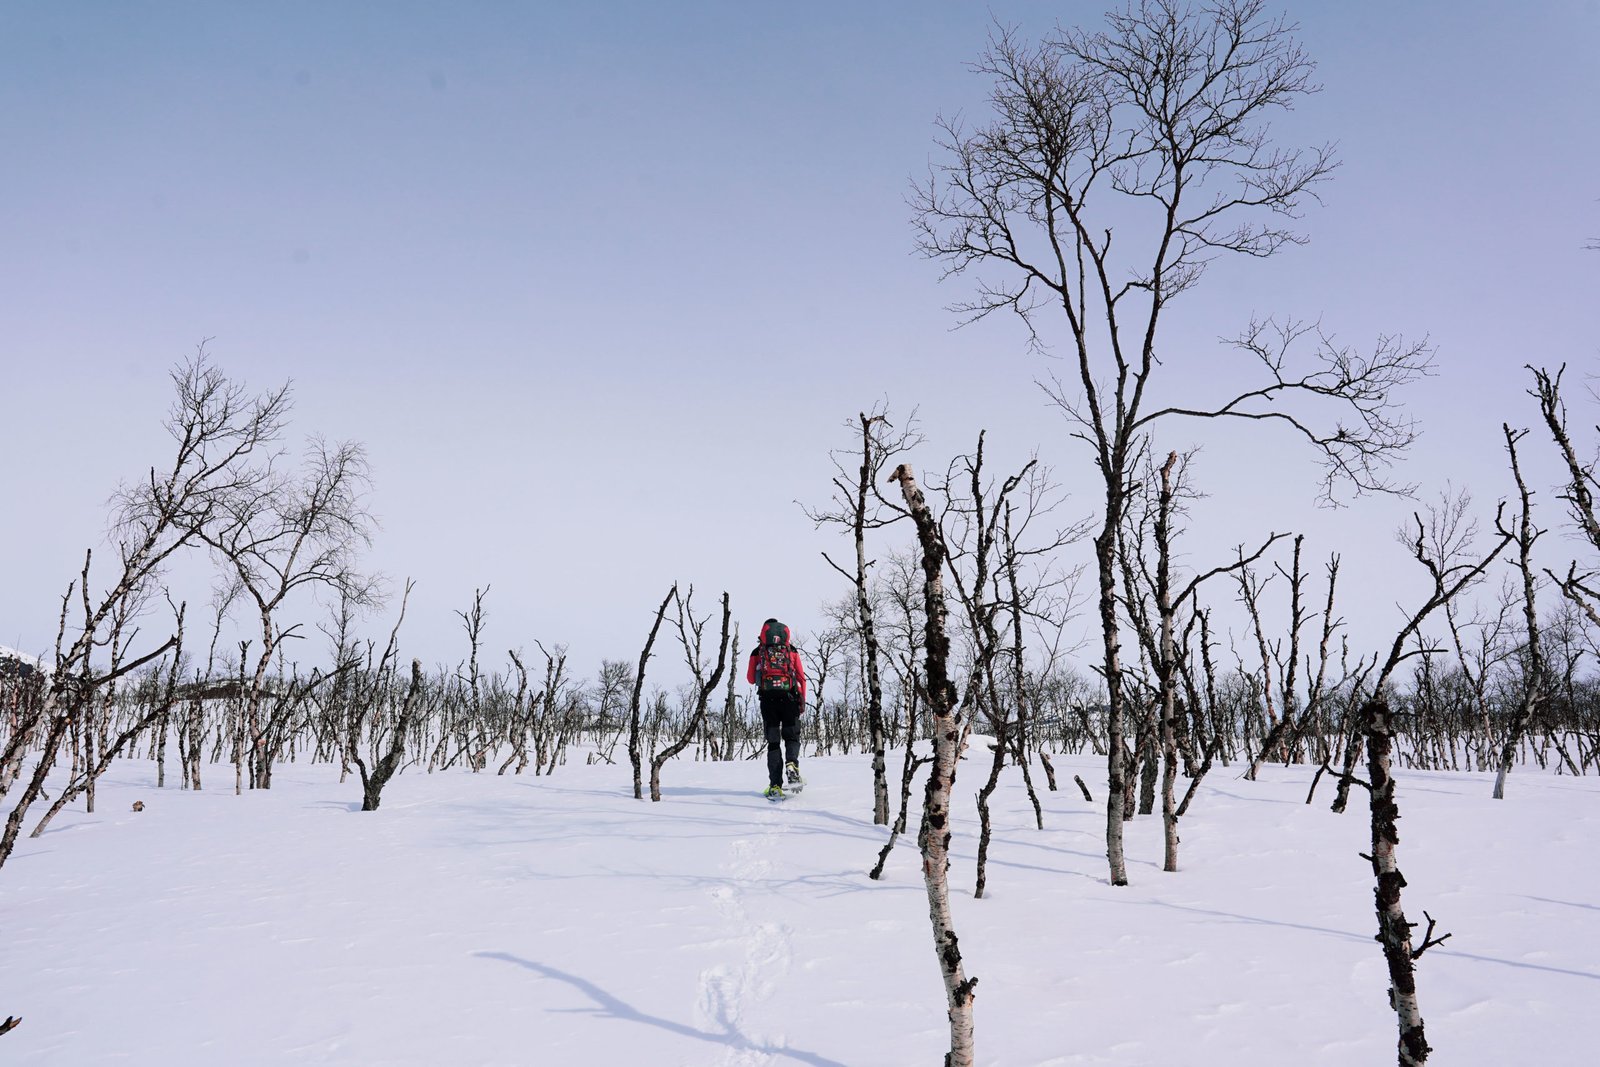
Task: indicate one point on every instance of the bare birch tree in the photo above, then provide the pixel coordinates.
(1534, 682)
(635, 752)
(859, 506)
(366, 708)
(217, 427)
(934, 835)
(388, 763)
(1164, 490)
(1154, 130)
(279, 534)
(1450, 576)
(984, 527)
(691, 637)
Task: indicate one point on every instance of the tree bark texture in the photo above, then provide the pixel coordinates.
(372, 785)
(1168, 666)
(1111, 637)
(1394, 933)
(1533, 684)
(995, 767)
(935, 832)
(869, 634)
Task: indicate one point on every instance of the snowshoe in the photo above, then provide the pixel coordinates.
(791, 778)
(774, 793)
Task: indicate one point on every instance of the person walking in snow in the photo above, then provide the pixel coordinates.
(780, 681)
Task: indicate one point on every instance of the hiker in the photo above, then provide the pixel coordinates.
(780, 681)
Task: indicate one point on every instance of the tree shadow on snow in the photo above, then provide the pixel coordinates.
(1249, 798)
(1367, 938)
(1564, 903)
(862, 827)
(607, 1006)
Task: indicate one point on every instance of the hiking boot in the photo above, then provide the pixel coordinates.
(791, 773)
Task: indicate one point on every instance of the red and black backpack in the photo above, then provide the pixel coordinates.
(774, 660)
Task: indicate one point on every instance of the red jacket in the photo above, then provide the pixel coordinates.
(795, 665)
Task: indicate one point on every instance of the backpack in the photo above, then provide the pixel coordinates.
(774, 668)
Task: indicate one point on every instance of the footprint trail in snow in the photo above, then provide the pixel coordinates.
(761, 947)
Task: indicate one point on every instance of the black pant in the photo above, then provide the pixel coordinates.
(780, 717)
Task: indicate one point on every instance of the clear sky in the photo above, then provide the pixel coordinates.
(599, 284)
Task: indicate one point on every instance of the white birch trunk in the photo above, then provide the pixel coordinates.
(935, 833)
(1394, 933)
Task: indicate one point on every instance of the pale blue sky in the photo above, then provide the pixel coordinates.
(569, 270)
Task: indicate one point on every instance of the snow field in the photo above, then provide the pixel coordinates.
(503, 920)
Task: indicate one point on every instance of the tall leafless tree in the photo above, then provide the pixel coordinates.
(281, 533)
(986, 530)
(1153, 130)
(218, 428)
(858, 505)
(1158, 504)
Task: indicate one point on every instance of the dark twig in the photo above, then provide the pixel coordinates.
(1428, 940)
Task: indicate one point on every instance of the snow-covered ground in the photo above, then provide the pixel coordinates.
(485, 920)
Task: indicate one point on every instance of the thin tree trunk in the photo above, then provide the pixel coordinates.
(1534, 676)
(908, 773)
(1019, 680)
(1394, 933)
(1149, 765)
(197, 742)
(47, 758)
(384, 769)
(934, 836)
(1352, 753)
(869, 636)
(702, 697)
(1049, 770)
(91, 734)
(1169, 668)
(1116, 770)
(161, 751)
(634, 755)
(995, 767)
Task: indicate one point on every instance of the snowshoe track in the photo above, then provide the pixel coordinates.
(728, 990)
